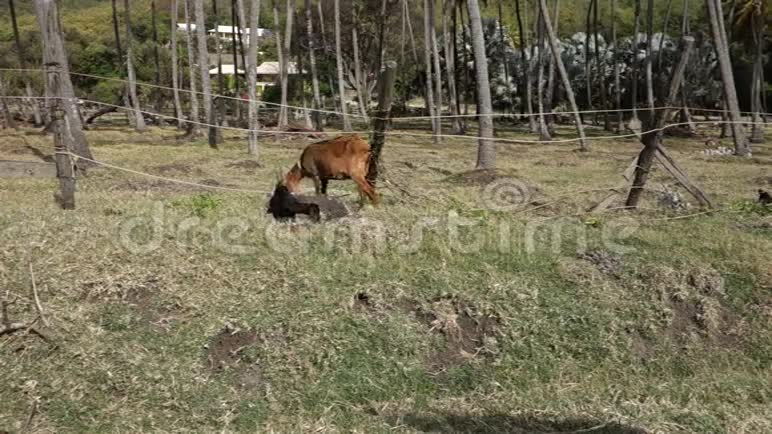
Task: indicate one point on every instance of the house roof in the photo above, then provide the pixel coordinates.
(230, 30)
(272, 68)
(226, 70)
(186, 26)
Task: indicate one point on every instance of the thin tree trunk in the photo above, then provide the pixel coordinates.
(588, 61)
(175, 80)
(316, 116)
(10, 122)
(466, 77)
(54, 53)
(544, 134)
(254, 18)
(553, 41)
(527, 108)
(550, 97)
(126, 98)
(203, 63)
(159, 98)
(358, 78)
(237, 30)
(283, 120)
(220, 113)
(686, 116)
(600, 69)
(456, 76)
(636, 65)
(430, 100)
(339, 64)
(27, 83)
(450, 65)
(617, 72)
(503, 52)
(649, 55)
(757, 88)
(662, 39)
(716, 17)
(195, 129)
(437, 70)
(486, 151)
(139, 118)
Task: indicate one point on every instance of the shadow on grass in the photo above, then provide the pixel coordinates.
(502, 423)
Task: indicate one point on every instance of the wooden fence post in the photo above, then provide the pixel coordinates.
(65, 170)
(385, 93)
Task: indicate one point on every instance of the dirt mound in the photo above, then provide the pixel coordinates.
(244, 164)
(166, 169)
(605, 262)
(467, 332)
(226, 349)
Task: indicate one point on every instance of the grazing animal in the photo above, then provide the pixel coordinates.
(344, 157)
(765, 198)
(285, 206)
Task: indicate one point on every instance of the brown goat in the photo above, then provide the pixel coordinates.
(344, 157)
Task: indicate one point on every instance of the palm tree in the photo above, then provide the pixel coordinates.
(716, 18)
(339, 64)
(19, 52)
(555, 48)
(139, 118)
(486, 152)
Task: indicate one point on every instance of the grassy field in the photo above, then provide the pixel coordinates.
(469, 301)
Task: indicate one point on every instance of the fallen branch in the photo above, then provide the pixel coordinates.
(35, 297)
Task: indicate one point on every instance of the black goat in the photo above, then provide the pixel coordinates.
(285, 206)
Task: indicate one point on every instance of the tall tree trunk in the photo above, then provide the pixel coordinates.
(486, 151)
(316, 117)
(550, 97)
(662, 39)
(27, 83)
(159, 98)
(757, 89)
(175, 78)
(430, 100)
(685, 116)
(456, 75)
(617, 72)
(527, 107)
(649, 55)
(450, 65)
(503, 52)
(254, 18)
(544, 133)
(716, 17)
(358, 78)
(237, 31)
(437, 70)
(339, 64)
(139, 118)
(54, 52)
(555, 48)
(600, 67)
(284, 58)
(10, 122)
(587, 60)
(119, 50)
(195, 129)
(203, 63)
(220, 112)
(636, 65)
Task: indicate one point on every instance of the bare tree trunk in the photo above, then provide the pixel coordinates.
(27, 83)
(430, 99)
(10, 122)
(465, 60)
(544, 133)
(716, 17)
(550, 98)
(649, 55)
(159, 98)
(284, 62)
(54, 53)
(600, 67)
(254, 18)
(220, 112)
(486, 151)
(617, 72)
(555, 48)
(450, 65)
(358, 78)
(126, 98)
(316, 116)
(195, 130)
(175, 78)
(237, 31)
(526, 82)
(139, 118)
(757, 89)
(339, 63)
(203, 63)
(636, 65)
(437, 70)
(503, 52)
(587, 61)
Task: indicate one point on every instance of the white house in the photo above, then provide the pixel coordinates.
(226, 33)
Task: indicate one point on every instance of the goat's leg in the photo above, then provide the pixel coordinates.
(317, 185)
(367, 189)
(324, 186)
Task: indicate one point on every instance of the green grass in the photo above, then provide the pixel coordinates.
(676, 338)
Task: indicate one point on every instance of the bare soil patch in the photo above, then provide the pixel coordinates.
(172, 168)
(244, 164)
(605, 262)
(479, 177)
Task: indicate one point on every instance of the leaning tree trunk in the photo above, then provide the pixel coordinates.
(433, 109)
(555, 48)
(450, 65)
(339, 65)
(139, 118)
(53, 54)
(437, 70)
(175, 78)
(486, 152)
(203, 64)
(254, 18)
(316, 116)
(195, 119)
(27, 83)
(716, 17)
